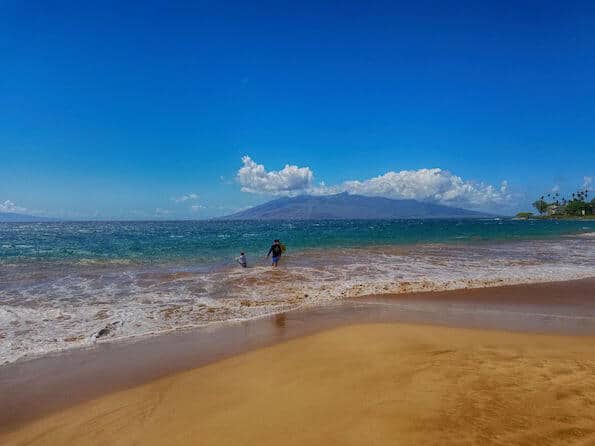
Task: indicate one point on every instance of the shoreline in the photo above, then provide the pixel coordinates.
(405, 290)
(35, 388)
(61, 307)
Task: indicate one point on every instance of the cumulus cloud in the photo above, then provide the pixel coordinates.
(196, 207)
(9, 206)
(290, 180)
(587, 182)
(434, 185)
(185, 197)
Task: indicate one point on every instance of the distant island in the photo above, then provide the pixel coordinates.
(554, 206)
(349, 207)
(11, 217)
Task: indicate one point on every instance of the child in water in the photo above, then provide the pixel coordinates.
(242, 260)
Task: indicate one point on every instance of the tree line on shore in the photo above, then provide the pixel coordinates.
(554, 205)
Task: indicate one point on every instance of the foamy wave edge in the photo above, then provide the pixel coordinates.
(405, 287)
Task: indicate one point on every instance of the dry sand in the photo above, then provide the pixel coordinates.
(370, 384)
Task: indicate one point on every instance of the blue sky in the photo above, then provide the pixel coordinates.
(145, 110)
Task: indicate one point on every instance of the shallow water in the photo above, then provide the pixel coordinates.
(60, 283)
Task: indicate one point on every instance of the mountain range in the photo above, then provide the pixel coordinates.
(349, 207)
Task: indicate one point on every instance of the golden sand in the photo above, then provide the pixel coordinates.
(373, 384)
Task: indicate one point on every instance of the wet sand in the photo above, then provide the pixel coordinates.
(62, 383)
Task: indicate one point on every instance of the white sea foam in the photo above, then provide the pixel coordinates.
(586, 234)
(43, 311)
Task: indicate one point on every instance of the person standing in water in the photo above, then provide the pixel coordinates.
(242, 260)
(276, 250)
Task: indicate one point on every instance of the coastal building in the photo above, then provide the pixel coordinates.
(555, 209)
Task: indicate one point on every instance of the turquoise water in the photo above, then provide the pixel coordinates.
(207, 242)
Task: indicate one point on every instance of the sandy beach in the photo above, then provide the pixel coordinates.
(359, 384)
(376, 370)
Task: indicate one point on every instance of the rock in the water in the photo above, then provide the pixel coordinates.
(107, 330)
(103, 332)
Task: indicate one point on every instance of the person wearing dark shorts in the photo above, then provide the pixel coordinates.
(276, 251)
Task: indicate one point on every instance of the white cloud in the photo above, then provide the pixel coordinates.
(185, 197)
(291, 180)
(435, 185)
(587, 182)
(9, 206)
(196, 207)
(556, 188)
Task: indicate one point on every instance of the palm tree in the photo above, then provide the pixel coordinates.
(540, 205)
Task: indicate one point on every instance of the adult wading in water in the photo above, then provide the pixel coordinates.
(276, 250)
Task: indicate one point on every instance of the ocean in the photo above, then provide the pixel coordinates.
(62, 283)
